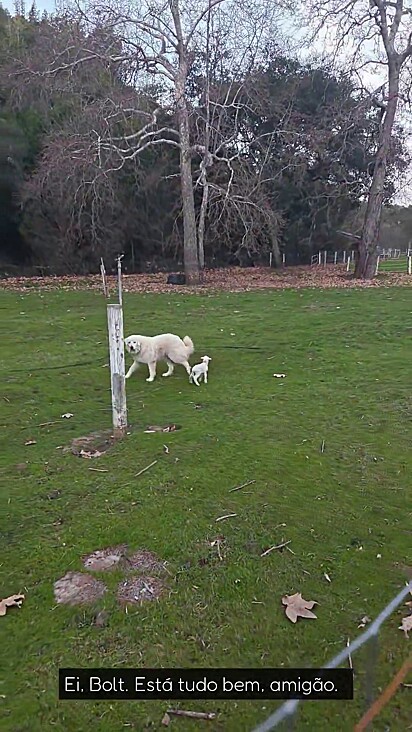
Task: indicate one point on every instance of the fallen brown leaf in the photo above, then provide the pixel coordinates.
(165, 428)
(166, 720)
(90, 454)
(297, 607)
(12, 601)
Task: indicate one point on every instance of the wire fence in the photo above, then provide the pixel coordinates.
(389, 260)
(288, 712)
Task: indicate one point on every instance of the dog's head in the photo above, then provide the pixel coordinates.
(132, 344)
(206, 359)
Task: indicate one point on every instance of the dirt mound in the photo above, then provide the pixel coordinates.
(76, 588)
(139, 589)
(93, 445)
(145, 561)
(103, 559)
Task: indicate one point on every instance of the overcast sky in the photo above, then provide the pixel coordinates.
(41, 5)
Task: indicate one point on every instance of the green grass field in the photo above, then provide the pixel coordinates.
(347, 358)
(391, 265)
(394, 265)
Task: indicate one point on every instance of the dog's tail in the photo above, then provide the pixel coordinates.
(189, 345)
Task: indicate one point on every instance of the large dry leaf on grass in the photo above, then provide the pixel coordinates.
(90, 454)
(406, 625)
(297, 607)
(12, 601)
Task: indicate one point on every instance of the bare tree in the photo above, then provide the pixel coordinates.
(155, 39)
(379, 35)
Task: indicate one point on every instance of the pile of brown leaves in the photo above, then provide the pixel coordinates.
(234, 279)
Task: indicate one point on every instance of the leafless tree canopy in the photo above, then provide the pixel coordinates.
(180, 129)
(379, 34)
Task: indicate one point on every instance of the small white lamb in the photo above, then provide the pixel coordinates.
(200, 370)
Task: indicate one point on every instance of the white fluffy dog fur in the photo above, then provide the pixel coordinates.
(165, 347)
(199, 370)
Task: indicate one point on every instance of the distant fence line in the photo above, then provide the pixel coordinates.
(393, 260)
(287, 712)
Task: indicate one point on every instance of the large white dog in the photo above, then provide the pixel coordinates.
(151, 349)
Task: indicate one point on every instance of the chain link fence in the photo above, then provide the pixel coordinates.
(287, 714)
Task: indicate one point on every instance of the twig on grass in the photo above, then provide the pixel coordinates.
(99, 470)
(192, 715)
(322, 447)
(228, 515)
(238, 487)
(217, 543)
(277, 546)
(349, 657)
(146, 468)
(47, 424)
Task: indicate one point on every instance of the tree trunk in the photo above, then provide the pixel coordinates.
(368, 246)
(202, 222)
(190, 252)
(275, 250)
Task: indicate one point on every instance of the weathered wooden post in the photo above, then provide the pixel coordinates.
(119, 278)
(117, 368)
(377, 265)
